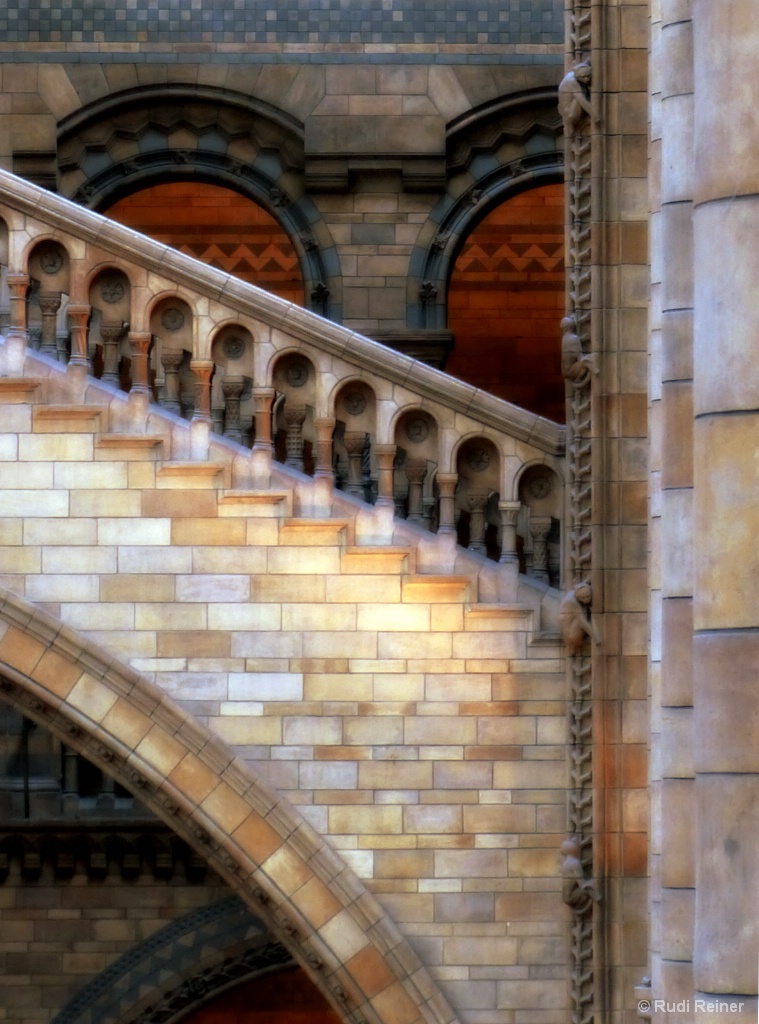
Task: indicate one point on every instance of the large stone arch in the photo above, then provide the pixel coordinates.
(255, 840)
(144, 136)
(494, 152)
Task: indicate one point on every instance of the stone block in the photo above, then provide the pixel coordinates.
(301, 729)
(53, 448)
(228, 560)
(414, 645)
(366, 820)
(213, 587)
(311, 560)
(456, 687)
(678, 833)
(382, 730)
(341, 617)
(134, 530)
(338, 686)
(500, 818)
(266, 686)
(726, 938)
(328, 775)
(725, 713)
(530, 775)
(467, 775)
(435, 819)
(102, 503)
(81, 559)
(429, 729)
(408, 775)
(244, 616)
(728, 471)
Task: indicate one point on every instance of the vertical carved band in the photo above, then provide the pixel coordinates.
(578, 129)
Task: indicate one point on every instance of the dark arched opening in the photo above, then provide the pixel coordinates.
(505, 301)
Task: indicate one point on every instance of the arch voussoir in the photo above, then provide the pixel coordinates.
(254, 839)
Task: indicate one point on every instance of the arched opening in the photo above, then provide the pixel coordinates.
(218, 226)
(505, 302)
(270, 999)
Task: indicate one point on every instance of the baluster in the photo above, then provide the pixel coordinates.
(139, 343)
(110, 334)
(35, 336)
(509, 511)
(217, 419)
(79, 316)
(540, 527)
(263, 400)
(232, 389)
(49, 305)
(385, 458)
(446, 483)
(477, 504)
(355, 442)
(203, 370)
(295, 416)
(324, 427)
(171, 361)
(416, 471)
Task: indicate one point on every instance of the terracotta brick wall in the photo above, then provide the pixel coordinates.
(219, 227)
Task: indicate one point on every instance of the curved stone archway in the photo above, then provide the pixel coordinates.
(181, 966)
(256, 841)
(147, 136)
(494, 153)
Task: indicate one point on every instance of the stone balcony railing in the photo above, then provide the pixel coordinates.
(284, 383)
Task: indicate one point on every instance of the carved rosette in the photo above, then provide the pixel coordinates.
(579, 259)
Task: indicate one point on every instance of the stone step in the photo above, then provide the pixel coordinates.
(193, 476)
(435, 589)
(315, 532)
(128, 447)
(18, 390)
(71, 419)
(487, 617)
(256, 504)
(377, 560)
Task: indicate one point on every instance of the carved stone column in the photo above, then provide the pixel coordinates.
(540, 527)
(324, 426)
(446, 483)
(111, 333)
(35, 336)
(263, 400)
(203, 370)
(139, 343)
(385, 458)
(79, 315)
(509, 511)
(50, 303)
(171, 361)
(416, 471)
(295, 417)
(232, 389)
(477, 503)
(355, 442)
(18, 285)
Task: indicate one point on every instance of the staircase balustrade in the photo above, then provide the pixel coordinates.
(279, 380)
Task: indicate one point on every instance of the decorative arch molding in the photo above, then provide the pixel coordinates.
(141, 137)
(255, 840)
(495, 152)
(180, 967)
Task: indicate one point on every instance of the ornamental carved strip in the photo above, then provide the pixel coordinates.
(578, 121)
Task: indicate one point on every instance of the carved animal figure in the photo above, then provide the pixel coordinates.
(577, 891)
(574, 99)
(574, 619)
